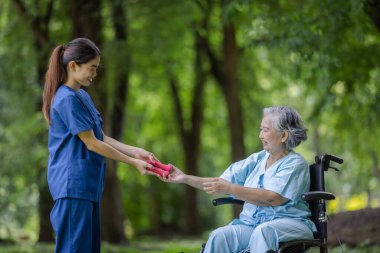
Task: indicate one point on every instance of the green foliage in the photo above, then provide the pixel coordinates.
(320, 57)
(22, 129)
(323, 58)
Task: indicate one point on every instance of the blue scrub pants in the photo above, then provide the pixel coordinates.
(76, 223)
(259, 239)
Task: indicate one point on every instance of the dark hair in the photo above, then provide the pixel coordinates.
(80, 51)
(287, 119)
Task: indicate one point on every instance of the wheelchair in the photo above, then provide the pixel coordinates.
(316, 198)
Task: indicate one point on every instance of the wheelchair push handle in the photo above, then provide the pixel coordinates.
(325, 161)
(333, 158)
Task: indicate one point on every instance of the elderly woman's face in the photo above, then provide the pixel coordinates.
(271, 140)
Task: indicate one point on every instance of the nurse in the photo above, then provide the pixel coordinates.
(77, 147)
(270, 182)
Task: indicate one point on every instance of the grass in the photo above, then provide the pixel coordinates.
(156, 246)
(150, 245)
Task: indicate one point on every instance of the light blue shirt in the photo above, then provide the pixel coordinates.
(288, 177)
(73, 170)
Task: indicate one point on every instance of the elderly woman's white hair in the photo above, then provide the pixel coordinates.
(285, 118)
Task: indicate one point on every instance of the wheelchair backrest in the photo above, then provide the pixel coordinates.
(317, 183)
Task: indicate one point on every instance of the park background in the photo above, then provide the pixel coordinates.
(187, 80)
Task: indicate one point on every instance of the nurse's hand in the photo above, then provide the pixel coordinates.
(144, 155)
(142, 167)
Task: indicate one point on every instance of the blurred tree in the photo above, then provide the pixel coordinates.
(37, 16)
(91, 26)
(113, 228)
(224, 69)
(190, 134)
(372, 8)
(325, 54)
(225, 72)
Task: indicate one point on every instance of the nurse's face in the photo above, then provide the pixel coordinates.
(83, 74)
(272, 141)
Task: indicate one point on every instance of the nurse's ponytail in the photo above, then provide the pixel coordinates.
(81, 51)
(54, 77)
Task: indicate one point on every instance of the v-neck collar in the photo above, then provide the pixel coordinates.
(273, 164)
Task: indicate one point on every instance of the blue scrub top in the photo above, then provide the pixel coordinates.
(289, 177)
(73, 170)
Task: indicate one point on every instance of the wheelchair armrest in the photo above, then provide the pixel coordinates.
(229, 200)
(315, 195)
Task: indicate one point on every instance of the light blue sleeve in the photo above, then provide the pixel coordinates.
(238, 172)
(74, 115)
(290, 178)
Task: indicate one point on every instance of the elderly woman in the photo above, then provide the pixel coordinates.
(270, 182)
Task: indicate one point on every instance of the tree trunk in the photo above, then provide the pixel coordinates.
(39, 27)
(191, 137)
(45, 200)
(372, 8)
(113, 213)
(192, 225)
(190, 143)
(231, 93)
(87, 22)
(45, 204)
(90, 26)
(226, 74)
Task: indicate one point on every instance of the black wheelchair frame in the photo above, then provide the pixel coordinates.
(316, 197)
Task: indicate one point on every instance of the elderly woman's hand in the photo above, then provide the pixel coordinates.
(176, 176)
(217, 186)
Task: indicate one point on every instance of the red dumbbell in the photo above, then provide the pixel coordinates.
(162, 173)
(166, 167)
(159, 168)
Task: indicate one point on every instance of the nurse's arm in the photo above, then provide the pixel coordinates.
(135, 152)
(106, 150)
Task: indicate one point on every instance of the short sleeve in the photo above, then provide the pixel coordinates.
(238, 172)
(235, 173)
(291, 178)
(75, 115)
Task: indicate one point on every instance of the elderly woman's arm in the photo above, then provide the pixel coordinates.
(256, 196)
(178, 177)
